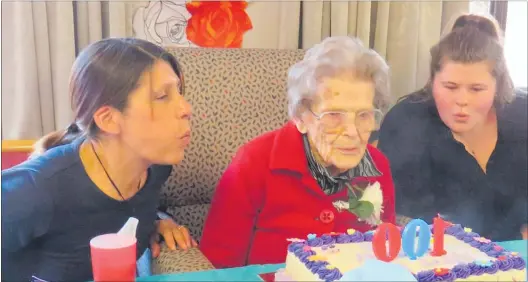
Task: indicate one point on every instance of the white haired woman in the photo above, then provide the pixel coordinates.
(316, 174)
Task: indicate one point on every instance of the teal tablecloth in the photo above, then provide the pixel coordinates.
(250, 273)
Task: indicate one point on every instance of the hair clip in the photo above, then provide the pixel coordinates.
(73, 128)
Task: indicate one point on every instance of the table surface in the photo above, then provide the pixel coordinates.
(250, 273)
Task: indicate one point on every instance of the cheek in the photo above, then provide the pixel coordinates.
(443, 102)
(365, 136)
(484, 103)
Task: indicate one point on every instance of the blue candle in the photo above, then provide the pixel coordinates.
(409, 238)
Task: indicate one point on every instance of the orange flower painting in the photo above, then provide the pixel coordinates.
(219, 24)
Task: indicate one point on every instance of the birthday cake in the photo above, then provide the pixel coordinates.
(455, 254)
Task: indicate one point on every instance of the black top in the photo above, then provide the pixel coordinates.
(51, 209)
(433, 173)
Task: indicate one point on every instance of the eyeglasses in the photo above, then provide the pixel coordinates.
(364, 121)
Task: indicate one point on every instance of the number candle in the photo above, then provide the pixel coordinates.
(409, 238)
(379, 239)
(439, 226)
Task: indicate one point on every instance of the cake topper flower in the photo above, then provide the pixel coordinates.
(484, 263)
(311, 236)
(482, 240)
(467, 230)
(351, 231)
(316, 258)
(441, 271)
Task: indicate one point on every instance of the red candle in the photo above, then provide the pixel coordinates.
(439, 226)
(380, 238)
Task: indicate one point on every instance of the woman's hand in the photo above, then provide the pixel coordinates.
(173, 234)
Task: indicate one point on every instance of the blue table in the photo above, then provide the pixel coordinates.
(250, 273)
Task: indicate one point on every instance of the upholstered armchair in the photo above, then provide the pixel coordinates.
(236, 95)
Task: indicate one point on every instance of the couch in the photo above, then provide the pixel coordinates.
(236, 95)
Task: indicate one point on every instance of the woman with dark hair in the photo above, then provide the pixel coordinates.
(458, 146)
(131, 124)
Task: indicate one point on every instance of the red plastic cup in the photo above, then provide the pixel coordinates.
(113, 257)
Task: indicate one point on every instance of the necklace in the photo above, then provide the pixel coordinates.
(108, 176)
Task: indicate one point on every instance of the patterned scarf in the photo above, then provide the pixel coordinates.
(333, 184)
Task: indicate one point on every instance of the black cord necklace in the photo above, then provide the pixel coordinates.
(107, 175)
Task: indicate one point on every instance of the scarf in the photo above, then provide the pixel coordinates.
(333, 184)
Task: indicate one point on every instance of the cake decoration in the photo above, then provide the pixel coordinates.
(439, 227)
(498, 248)
(316, 257)
(331, 246)
(409, 238)
(467, 230)
(461, 271)
(482, 240)
(351, 231)
(295, 240)
(327, 239)
(484, 263)
(311, 236)
(331, 249)
(441, 271)
(319, 256)
(386, 231)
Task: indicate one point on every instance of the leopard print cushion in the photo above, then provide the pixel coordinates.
(236, 94)
(180, 261)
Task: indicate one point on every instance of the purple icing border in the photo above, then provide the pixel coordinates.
(458, 271)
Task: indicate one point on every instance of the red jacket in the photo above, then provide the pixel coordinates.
(268, 195)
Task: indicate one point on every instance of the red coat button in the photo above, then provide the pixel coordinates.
(326, 216)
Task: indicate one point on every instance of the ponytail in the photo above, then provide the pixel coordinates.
(483, 22)
(55, 139)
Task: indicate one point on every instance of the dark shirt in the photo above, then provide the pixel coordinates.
(51, 209)
(433, 173)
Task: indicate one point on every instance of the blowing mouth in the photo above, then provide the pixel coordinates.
(186, 135)
(462, 115)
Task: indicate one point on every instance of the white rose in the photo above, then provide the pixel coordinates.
(374, 195)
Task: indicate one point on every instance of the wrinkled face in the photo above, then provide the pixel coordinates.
(156, 122)
(464, 95)
(340, 146)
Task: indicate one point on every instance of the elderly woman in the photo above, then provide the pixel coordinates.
(458, 146)
(315, 175)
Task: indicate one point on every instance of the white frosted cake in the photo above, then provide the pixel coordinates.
(468, 257)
